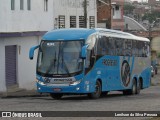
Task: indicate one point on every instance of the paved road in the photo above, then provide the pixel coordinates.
(148, 100)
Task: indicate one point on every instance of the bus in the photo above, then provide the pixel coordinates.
(92, 62)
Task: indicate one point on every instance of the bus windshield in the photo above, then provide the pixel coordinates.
(59, 58)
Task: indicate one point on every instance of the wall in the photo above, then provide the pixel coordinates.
(26, 20)
(2, 65)
(73, 8)
(117, 13)
(117, 19)
(26, 68)
(156, 44)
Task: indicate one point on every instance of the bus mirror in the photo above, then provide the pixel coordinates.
(84, 52)
(31, 51)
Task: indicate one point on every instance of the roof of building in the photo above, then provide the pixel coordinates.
(133, 24)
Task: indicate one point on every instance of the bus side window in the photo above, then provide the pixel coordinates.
(148, 49)
(134, 48)
(111, 46)
(145, 49)
(140, 48)
(119, 47)
(128, 48)
(102, 46)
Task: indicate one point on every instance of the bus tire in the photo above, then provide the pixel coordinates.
(104, 94)
(131, 91)
(126, 92)
(98, 90)
(134, 87)
(56, 96)
(138, 88)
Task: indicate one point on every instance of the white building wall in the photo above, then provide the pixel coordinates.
(117, 13)
(73, 8)
(26, 68)
(18, 20)
(2, 65)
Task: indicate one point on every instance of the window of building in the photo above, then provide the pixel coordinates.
(72, 21)
(113, 11)
(92, 22)
(81, 22)
(21, 4)
(117, 7)
(45, 5)
(12, 4)
(29, 4)
(61, 19)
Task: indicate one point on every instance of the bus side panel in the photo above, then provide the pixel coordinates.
(117, 72)
(142, 70)
(106, 69)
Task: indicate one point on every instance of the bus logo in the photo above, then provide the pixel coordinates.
(125, 73)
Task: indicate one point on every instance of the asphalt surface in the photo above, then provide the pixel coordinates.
(147, 100)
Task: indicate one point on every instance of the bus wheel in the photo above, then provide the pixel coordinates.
(138, 87)
(134, 87)
(56, 96)
(104, 94)
(97, 92)
(131, 91)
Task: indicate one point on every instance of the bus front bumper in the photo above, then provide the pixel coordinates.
(65, 89)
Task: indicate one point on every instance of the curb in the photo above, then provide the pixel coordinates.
(24, 93)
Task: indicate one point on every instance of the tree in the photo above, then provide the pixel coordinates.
(151, 17)
(128, 9)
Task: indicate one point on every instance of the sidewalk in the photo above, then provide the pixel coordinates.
(22, 93)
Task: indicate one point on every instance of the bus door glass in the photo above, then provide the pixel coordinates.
(91, 52)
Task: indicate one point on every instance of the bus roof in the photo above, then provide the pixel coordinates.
(68, 34)
(83, 33)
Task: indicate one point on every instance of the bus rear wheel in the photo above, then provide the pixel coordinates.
(98, 90)
(133, 90)
(56, 96)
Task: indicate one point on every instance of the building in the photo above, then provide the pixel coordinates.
(22, 24)
(70, 14)
(104, 14)
(117, 13)
(152, 2)
(111, 15)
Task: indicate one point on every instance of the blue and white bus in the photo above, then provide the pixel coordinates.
(92, 62)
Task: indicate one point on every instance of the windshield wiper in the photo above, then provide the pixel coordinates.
(66, 68)
(52, 65)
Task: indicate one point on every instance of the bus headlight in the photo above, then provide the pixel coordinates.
(40, 82)
(75, 82)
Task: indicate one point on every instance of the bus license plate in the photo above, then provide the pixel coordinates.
(57, 89)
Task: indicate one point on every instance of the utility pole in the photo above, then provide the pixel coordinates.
(110, 18)
(85, 13)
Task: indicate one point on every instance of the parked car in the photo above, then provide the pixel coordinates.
(152, 71)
